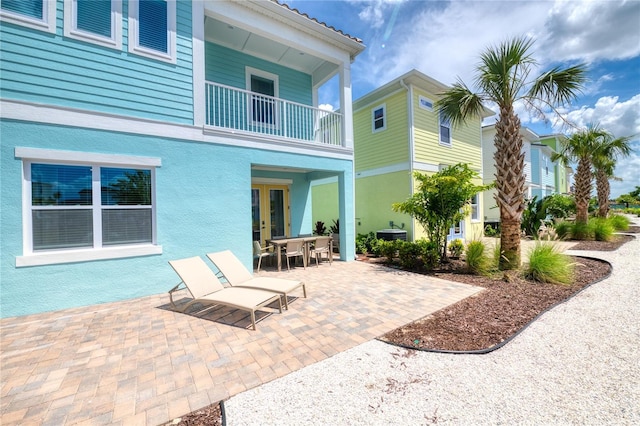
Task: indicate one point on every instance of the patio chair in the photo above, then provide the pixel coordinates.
(206, 288)
(238, 276)
(322, 246)
(261, 252)
(295, 248)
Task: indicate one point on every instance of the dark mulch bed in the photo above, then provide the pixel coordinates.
(478, 322)
(507, 304)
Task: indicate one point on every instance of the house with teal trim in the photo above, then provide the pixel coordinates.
(397, 131)
(543, 177)
(137, 132)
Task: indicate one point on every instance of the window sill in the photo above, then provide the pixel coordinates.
(84, 255)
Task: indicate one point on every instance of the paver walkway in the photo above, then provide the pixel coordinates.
(138, 362)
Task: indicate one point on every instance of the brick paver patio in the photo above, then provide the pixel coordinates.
(138, 362)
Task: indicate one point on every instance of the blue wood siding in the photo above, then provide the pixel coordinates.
(227, 66)
(52, 69)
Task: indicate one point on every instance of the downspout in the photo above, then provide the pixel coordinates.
(411, 144)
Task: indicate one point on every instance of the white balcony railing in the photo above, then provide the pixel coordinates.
(232, 109)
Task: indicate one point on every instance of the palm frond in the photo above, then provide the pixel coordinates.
(559, 86)
(459, 103)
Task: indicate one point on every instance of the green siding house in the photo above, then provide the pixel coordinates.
(397, 131)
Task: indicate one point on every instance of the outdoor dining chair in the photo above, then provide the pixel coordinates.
(295, 248)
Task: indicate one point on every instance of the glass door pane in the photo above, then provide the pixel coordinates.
(277, 212)
(255, 215)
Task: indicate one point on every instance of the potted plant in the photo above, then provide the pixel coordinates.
(335, 234)
(320, 228)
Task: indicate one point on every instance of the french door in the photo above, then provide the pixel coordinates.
(270, 211)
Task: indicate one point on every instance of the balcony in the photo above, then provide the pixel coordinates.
(238, 111)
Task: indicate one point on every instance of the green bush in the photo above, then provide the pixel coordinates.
(632, 210)
(548, 265)
(619, 222)
(601, 229)
(490, 231)
(430, 253)
(388, 249)
(477, 261)
(409, 254)
(367, 243)
(581, 231)
(563, 229)
(456, 247)
(559, 206)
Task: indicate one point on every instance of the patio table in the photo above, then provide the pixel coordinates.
(282, 242)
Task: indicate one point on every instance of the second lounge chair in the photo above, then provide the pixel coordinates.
(237, 275)
(206, 288)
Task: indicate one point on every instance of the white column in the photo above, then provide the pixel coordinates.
(345, 104)
(197, 40)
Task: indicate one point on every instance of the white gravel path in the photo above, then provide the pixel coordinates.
(578, 364)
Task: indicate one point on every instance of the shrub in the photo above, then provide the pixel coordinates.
(619, 222)
(559, 206)
(388, 249)
(548, 265)
(581, 231)
(430, 253)
(477, 261)
(367, 243)
(601, 229)
(490, 231)
(320, 229)
(563, 229)
(409, 255)
(456, 247)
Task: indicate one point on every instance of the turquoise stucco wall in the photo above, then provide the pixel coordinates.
(203, 205)
(52, 69)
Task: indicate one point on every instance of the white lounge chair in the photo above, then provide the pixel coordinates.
(206, 288)
(238, 276)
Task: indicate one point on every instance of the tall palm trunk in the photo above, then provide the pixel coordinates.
(509, 196)
(604, 191)
(583, 190)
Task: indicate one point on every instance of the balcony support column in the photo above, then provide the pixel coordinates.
(345, 104)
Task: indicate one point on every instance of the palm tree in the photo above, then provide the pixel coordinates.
(503, 78)
(580, 148)
(604, 162)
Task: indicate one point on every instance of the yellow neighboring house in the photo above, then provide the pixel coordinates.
(397, 131)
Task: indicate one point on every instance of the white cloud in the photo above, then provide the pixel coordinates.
(619, 118)
(627, 170)
(326, 107)
(592, 30)
(374, 12)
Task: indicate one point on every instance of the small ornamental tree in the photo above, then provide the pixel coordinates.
(441, 201)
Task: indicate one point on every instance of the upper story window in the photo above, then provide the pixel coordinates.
(445, 130)
(95, 21)
(379, 118)
(425, 103)
(152, 28)
(37, 14)
(75, 208)
(262, 106)
(475, 212)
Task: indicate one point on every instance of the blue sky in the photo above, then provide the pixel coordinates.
(444, 39)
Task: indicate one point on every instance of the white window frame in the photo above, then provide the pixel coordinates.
(249, 72)
(443, 143)
(71, 25)
(384, 118)
(48, 23)
(425, 103)
(134, 35)
(476, 204)
(35, 258)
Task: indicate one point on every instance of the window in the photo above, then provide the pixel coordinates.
(379, 118)
(152, 28)
(95, 21)
(475, 214)
(425, 103)
(37, 14)
(263, 110)
(445, 131)
(86, 210)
